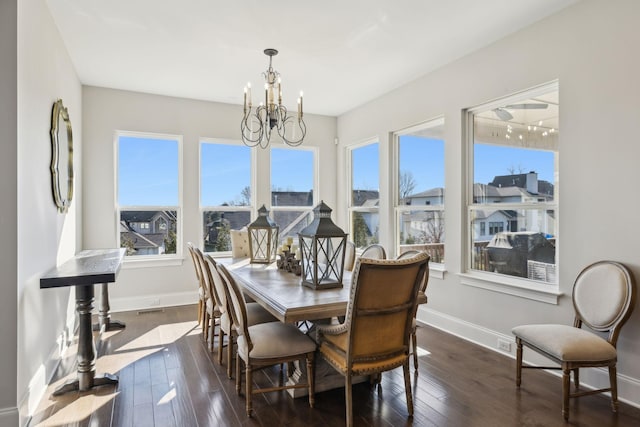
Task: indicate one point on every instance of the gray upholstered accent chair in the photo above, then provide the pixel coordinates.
(256, 314)
(603, 299)
(265, 344)
(374, 251)
(374, 337)
(349, 255)
(422, 299)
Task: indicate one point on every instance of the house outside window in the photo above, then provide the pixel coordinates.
(420, 190)
(149, 199)
(293, 189)
(226, 196)
(513, 158)
(364, 216)
(495, 227)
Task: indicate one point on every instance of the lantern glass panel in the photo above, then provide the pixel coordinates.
(323, 259)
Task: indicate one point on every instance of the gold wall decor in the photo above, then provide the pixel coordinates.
(61, 157)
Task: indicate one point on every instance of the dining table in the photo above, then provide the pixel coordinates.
(282, 294)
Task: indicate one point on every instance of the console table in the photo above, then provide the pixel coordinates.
(83, 271)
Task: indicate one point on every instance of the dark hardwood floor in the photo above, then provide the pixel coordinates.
(169, 378)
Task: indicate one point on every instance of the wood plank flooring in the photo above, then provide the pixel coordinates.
(168, 377)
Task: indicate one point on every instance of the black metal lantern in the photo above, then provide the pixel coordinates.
(322, 246)
(263, 238)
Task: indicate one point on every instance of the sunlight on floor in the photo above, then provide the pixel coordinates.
(423, 352)
(160, 335)
(168, 397)
(78, 410)
(114, 363)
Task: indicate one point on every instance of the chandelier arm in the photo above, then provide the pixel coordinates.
(247, 133)
(300, 124)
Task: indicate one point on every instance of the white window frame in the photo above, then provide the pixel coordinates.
(316, 182)
(251, 208)
(148, 260)
(435, 269)
(525, 288)
(351, 210)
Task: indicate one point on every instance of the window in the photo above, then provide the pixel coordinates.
(495, 227)
(514, 152)
(293, 192)
(149, 194)
(225, 192)
(420, 189)
(364, 216)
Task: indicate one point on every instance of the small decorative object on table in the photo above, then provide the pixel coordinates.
(289, 257)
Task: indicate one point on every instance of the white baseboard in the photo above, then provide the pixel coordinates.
(153, 301)
(628, 387)
(9, 417)
(39, 382)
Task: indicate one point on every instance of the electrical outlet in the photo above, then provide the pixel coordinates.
(154, 302)
(504, 345)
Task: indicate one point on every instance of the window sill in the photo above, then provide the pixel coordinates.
(151, 261)
(512, 286)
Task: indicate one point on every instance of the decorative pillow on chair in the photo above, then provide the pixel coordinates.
(239, 243)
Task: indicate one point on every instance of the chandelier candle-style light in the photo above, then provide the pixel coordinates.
(257, 125)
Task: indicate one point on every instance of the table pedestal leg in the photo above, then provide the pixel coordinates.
(86, 378)
(104, 318)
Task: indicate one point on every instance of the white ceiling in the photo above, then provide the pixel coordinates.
(341, 53)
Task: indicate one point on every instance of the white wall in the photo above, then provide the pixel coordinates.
(108, 110)
(8, 193)
(591, 49)
(45, 237)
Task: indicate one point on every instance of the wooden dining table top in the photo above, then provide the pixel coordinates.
(282, 294)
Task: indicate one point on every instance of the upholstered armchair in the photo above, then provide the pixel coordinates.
(422, 299)
(239, 243)
(374, 337)
(603, 299)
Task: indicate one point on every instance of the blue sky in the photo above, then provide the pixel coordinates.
(218, 163)
(148, 168)
(147, 172)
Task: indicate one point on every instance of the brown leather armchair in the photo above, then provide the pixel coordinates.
(374, 337)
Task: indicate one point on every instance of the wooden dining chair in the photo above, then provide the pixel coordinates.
(255, 313)
(349, 255)
(211, 308)
(603, 298)
(374, 337)
(374, 251)
(198, 270)
(266, 344)
(422, 299)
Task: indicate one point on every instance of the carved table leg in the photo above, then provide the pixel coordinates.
(104, 317)
(86, 378)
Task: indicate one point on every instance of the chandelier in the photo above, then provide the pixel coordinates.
(257, 125)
